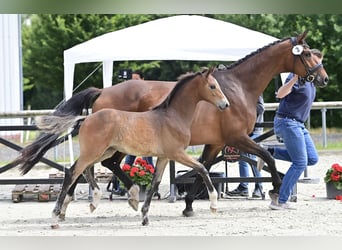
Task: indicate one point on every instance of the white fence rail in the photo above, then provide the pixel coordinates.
(323, 106)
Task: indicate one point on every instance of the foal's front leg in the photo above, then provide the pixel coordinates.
(210, 187)
(56, 212)
(97, 193)
(188, 161)
(207, 157)
(69, 179)
(157, 177)
(67, 200)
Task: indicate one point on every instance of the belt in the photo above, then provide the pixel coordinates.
(287, 117)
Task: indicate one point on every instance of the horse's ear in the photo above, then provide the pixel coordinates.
(301, 37)
(210, 70)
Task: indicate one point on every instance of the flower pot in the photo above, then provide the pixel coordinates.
(332, 192)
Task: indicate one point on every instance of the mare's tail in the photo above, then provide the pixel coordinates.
(32, 153)
(79, 101)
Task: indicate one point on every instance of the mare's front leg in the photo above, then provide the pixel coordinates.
(250, 146)
(157, 177)
(113, 163)
(208, 156)
(276, 180)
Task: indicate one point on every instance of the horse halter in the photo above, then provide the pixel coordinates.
(297, 50)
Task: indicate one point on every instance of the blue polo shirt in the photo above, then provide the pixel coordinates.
(297, 104)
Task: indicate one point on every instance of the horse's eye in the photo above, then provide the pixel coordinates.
(307, 53)
(212, 87)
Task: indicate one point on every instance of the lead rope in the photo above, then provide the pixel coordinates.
(79, 85)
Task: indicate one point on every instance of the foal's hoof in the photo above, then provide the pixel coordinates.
(134, 204)
(92, 207)
(61, 217)
(188, 213)
(55, 226)
(133, 197)
(213, 209)
(145, 222)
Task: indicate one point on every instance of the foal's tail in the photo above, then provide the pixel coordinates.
(57, 124)
(31, 154)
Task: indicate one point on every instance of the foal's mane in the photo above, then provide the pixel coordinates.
(182, 80)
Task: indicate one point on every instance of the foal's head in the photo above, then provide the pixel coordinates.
(203, 84)
(210, 90)
(308, 62)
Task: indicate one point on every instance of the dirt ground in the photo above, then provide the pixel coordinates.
(315, 214)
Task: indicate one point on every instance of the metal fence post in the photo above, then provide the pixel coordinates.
(324, 127)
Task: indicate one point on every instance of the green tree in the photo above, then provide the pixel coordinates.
(44, 39)
(324, 34)
(47, 36)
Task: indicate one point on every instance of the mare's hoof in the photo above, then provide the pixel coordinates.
(157, 195)
(55, 226)
(61, 217)
(92, 207)
(134, 204)
(188, 213)
(274, 196)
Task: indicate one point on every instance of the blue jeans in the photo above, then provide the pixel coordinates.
(300, 150)
(130, 159)
(244, 166)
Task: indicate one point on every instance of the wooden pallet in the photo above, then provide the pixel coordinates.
(56, 175)
(41, 192)
(103, 176)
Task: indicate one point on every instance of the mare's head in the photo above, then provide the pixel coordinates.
(308, 62)
(210, 90)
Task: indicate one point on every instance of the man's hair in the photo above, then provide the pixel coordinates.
(139, 72)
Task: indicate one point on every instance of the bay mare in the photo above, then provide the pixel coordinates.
(242, 82)
(163, 132)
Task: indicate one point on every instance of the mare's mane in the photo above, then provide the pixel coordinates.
(230, 66)
(182, 80)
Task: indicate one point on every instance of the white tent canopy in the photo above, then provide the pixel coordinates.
(183, 37)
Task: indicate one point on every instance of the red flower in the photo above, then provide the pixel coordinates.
(337, 167)
(139, 161)
(133, 171)
(151, 169)
(126, 167)
(338, 197)
(141, 172)
(148, 167)
(335, 176)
